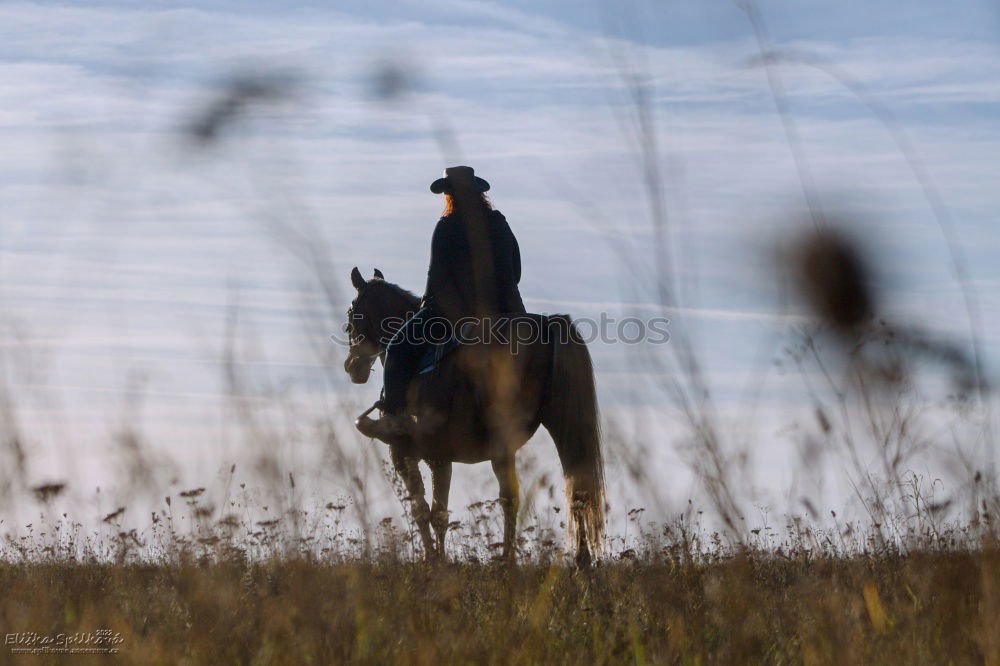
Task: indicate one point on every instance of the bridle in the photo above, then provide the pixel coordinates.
(354, 342)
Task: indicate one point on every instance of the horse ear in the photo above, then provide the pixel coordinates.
(378, 275)
(356, 279)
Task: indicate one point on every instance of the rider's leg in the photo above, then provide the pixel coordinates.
(401, 356)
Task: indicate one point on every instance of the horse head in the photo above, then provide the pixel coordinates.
(377, 311)
(361, 331)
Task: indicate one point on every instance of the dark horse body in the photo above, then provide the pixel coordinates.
(483, 402)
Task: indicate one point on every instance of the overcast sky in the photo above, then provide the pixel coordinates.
(123, 242)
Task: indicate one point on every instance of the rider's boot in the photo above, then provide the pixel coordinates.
(389, 427)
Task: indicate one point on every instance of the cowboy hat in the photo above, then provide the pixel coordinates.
(459, 176)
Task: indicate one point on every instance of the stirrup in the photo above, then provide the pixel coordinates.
(377, 405)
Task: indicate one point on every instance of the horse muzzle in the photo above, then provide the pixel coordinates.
(359, 368)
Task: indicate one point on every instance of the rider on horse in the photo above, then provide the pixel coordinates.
(474, 271)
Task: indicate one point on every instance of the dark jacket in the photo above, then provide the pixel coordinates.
(462, 282)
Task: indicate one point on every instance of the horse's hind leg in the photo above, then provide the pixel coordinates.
(506, 474)
(409, 470)
(441, 484)
(583, 557)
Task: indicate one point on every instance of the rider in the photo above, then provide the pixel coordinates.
(474, 271)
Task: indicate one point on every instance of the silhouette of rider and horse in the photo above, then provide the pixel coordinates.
(470, 376)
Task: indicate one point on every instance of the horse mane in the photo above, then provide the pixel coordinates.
(405, 295)
(389, 300)
(380, 301)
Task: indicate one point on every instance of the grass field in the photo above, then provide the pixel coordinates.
(935, 605)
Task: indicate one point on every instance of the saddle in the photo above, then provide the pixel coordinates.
(435, 400)
(432, 355)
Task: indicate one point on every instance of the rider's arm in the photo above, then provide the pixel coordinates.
(507, 254)
(508, 266)
(516, 261)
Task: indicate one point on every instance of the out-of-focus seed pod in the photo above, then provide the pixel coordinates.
(834, 279)
(233, 97)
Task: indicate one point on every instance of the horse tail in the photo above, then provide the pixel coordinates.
(571, 417)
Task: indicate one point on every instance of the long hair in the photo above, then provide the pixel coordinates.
(461, 201)
(474, 212)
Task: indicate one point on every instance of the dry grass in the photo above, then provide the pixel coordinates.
(235, 592)
(925, 607)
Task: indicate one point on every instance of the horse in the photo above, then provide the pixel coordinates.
(483, 401)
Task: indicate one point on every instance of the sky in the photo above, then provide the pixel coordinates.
(128, 249)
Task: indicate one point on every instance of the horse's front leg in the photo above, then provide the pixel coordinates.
(441, 486)
(506, 473)
(409, 470)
